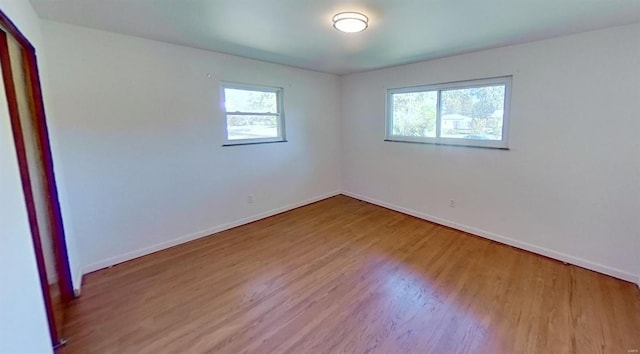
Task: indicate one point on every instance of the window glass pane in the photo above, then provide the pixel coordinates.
(247, 101)
(251, 127)
(414, 114)
(472, 113)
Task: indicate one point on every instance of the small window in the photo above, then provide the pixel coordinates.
(253, 114)
(468, 113)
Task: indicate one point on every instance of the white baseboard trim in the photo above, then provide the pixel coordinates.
(208, 232)
(77, 282)
(633, 278)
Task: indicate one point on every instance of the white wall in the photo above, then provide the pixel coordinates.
(570, 185)
(139, 131)
(25, 18)
(136, 132)
(23, 321)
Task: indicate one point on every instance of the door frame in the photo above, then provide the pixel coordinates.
(55, 215)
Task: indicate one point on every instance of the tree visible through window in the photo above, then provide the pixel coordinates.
(253, 114)
(472, 113)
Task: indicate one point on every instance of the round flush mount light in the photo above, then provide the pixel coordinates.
(350, 22)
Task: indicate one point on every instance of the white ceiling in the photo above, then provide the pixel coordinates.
(300, 32)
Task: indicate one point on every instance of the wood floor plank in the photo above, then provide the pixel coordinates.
(345, 276)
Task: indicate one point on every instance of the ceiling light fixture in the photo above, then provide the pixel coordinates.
(350, 22)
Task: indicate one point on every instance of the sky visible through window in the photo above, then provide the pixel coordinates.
(467, 113)
(243, 125)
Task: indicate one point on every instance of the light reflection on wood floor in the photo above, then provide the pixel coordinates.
(345, 276)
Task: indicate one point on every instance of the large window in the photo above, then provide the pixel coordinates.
(469, 113)
(253, 114)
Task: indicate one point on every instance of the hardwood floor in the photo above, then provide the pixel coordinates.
(344, 276)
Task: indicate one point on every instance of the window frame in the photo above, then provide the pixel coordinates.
(438, 140)
(279, 91)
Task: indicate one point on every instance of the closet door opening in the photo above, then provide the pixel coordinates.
(26, 112)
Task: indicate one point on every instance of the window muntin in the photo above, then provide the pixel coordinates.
(253, 114)
(468, 113)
